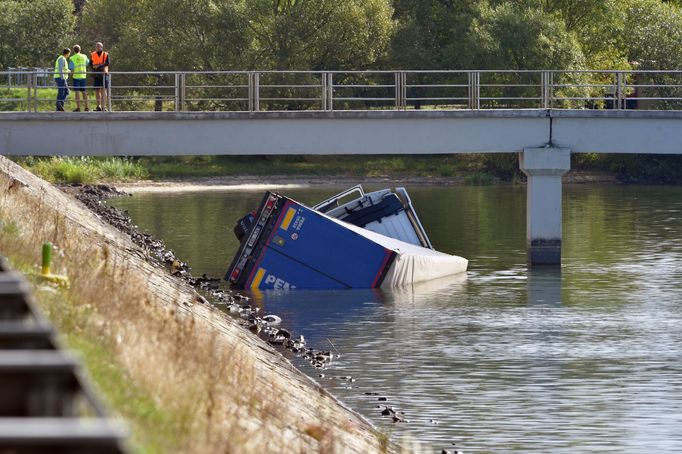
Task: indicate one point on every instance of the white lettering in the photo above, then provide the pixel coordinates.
(278, 284)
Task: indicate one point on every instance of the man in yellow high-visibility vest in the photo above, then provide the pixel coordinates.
(61, 76)
(80, 64)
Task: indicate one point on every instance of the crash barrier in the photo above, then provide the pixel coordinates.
(46, 403)
(360, 90)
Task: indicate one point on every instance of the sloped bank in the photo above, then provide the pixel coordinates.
(224, 389)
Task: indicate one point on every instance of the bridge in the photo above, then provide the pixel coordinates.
(543, 115)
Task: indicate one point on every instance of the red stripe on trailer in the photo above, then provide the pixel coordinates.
(382, 268)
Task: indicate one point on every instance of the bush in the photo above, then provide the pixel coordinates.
(85, 170)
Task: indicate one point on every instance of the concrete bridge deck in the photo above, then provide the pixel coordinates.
(339, 132)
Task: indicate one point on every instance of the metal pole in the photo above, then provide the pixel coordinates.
(183, 93)
(403, 96)
(323, 86)
(177, 92)
(396, 85)
(619, 90)
(29, 83)
(250, 83)
(544, 77)
(474, 90)
(330, 91)
(34, 76)
(256, 92)
(107, 77)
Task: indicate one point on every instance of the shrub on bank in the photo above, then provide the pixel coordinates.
(85, 169)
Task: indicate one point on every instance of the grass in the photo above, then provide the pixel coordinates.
(183, 382)
(467, 168)
(15, 100)
(85, 169)
(391, 166)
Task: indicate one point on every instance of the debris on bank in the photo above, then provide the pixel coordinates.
(267, 327)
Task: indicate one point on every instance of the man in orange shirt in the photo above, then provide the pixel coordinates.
(99, 62)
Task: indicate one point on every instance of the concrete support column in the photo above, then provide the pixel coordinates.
(544, 168)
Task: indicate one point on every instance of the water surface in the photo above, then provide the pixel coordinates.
(588, 358)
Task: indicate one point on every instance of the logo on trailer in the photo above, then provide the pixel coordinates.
(277, 283)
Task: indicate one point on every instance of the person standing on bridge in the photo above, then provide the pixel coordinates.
(80, 65)
(61, 76)
(99, 62)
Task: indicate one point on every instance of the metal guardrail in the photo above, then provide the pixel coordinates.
(361, 90)
(46, 403)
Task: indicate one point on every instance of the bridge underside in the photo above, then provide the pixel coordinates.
(356, 132)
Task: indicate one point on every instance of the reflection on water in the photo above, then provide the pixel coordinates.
(544, 287)
(584, 358)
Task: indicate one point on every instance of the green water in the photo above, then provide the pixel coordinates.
(586, 358)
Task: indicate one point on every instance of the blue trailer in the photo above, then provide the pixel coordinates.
(370, 242)
(289, 245)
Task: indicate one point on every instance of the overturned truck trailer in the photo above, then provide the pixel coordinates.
(372, 241)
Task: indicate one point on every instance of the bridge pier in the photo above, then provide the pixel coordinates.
(544, 168)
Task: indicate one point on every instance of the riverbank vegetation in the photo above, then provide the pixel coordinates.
(85, 170)
(469, 169)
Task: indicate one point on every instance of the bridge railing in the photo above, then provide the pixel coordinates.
(25, 90)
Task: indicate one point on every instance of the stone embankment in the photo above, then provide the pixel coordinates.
(249, 398)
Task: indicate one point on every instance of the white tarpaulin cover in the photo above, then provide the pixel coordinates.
(413, 264)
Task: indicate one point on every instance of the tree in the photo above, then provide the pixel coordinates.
(654, 34)
(513, 36)
(33, 33)
(241, 34)
(323, 34)
(426, 28)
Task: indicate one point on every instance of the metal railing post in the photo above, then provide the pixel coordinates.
(107, 77)
(176, 98)
(183, 92)
(547, 81)
(400, 78)
(323, 94)
(619, 91)
(34, 76)
(474, 90)
(29, 89)
(330, 91)
(256, 92)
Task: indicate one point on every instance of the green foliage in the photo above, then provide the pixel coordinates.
(85, 170)
(238, 34)
(514, 36)
(32, 33)
(329, 34)
(654, 34)
(479, 179)
(661, 169)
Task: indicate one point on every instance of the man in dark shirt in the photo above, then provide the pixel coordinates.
(99, 62)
